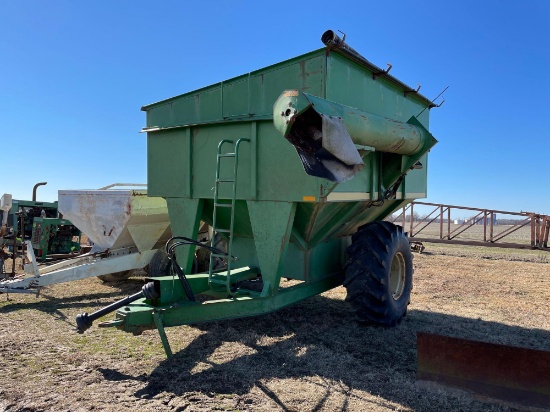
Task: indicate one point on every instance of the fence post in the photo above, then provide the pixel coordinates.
(411, 218)
(532, 231)
(485, 226)
(441, 222)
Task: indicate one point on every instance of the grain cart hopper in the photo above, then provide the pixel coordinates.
(307, 208)
(125, 225)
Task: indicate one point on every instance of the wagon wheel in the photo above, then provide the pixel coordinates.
(160, 265)
(116, 277)
(203, 255)
(378, 273)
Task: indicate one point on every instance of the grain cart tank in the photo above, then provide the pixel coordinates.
(295, 165)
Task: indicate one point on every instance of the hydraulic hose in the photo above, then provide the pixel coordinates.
(171, 246)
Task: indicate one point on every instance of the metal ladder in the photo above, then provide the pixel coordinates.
(218, 280)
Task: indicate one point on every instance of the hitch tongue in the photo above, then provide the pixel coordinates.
(110, 323)
(84, 320)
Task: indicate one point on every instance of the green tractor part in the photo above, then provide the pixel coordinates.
(308, 209)
(37, 221)
(54, 236)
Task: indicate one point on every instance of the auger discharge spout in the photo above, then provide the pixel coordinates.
(326, 134)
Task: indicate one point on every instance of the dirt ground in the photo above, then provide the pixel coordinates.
(312, 356)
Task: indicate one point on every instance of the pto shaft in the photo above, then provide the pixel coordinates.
(84, 321)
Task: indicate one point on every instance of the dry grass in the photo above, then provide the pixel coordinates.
(310, 357)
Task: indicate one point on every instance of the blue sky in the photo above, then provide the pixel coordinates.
(73, 76)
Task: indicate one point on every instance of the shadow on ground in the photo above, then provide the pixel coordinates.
(54, 305)
(318, 342)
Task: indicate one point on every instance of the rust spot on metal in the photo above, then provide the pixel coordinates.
(397, 145)
(303, 73)
(509, 373)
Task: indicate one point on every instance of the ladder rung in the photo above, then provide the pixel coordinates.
(231, 179)
(218, 255)
(218, 281)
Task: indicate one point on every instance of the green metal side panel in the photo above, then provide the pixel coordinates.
(194, 107)
(235, 103)
(168, 163)
(415, 185)
(365, 182)
(280, 173)
(305, 73)
(172, 172)
(205, 144)
(242, 220)
(249, 96)
(271, 237)
(185, 219)
(353, 85)
(324, 260)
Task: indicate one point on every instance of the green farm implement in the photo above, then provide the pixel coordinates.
(295, 165)
(38, 222)
(126, 227)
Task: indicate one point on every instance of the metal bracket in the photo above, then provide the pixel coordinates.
(375, 75)
(412, 91)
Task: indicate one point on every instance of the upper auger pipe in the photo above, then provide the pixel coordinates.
(332, 40)
(325, 134)
(303, 119)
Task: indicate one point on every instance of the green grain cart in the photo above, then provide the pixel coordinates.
(295, 165)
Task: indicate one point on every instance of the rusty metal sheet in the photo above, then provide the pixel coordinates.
(508, 373)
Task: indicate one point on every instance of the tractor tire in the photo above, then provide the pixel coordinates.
(116, 277)
(378, 273)
(160, 265)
